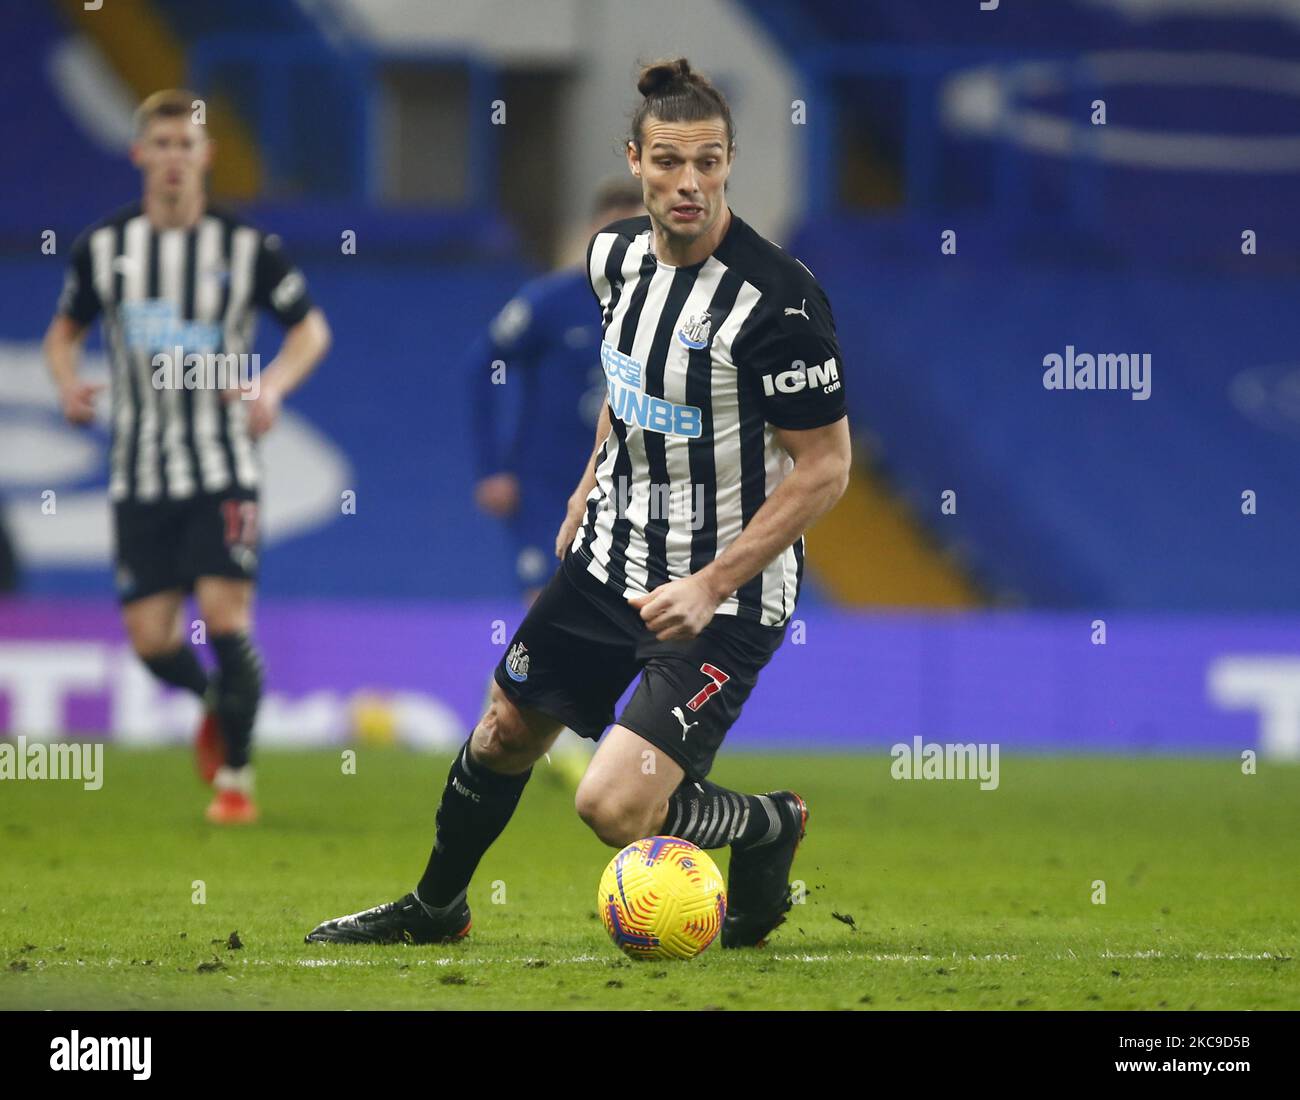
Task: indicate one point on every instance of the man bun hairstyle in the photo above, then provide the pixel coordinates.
(673, 92)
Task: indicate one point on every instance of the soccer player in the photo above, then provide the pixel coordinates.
(176, 283)
(723, 437)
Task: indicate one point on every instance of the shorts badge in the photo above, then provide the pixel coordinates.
(517, 662)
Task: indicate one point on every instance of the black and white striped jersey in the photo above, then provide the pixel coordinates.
(702, 364)
(178, 312)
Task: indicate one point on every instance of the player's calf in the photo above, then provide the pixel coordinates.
(151, 626)
(237, 693)
(483, 787)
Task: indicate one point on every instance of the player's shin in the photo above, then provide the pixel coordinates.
(238, 692)
(476, 805)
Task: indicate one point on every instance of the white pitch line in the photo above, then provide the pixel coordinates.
(605, 959)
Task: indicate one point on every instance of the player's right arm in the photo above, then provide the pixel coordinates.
(62, 346)
(578, 501)
(78, 306)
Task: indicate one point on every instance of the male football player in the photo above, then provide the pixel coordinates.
(175, 283)
(723, 436)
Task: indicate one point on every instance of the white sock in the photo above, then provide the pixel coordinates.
(234, 779)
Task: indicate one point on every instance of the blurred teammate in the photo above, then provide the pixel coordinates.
(176, 283)
(723, 437)
(545, 340)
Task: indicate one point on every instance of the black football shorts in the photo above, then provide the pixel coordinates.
(581, 644)
(169, 544)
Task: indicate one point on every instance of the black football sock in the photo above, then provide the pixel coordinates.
(238, 686)
(710, 816)
(476, 804)
(180, 669)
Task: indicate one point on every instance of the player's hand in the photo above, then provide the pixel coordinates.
(568, 529)
(78, 401)
(263, 411)
(677, 610)
(263, 404)
(498, 495)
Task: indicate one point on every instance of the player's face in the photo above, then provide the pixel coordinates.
(172, 154)
(683, 167)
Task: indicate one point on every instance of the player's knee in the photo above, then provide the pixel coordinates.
(504, 733)
(152, 639)
(150, 646)
(228, 620)
(615, 820)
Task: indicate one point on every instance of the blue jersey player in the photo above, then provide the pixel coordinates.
(545, 344)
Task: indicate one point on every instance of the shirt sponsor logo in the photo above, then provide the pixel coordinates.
(823, 376)
(619, 367)
(289, 290)
(153, 325)
(625, 379)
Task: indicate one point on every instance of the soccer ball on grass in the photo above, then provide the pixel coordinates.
(662, 898)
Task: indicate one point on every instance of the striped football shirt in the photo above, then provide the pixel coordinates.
(702, 365)
(178, 308)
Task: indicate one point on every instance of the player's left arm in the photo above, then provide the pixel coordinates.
(793, 365)
(822, 459)
(279, 287)
(303, 347)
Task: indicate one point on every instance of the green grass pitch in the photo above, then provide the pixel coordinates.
(946, 896)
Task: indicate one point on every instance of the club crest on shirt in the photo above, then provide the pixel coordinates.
(695, 333)
(517, 662)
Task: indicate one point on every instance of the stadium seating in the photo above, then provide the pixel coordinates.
(1127, 239)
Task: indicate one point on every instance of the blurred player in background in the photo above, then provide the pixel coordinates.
(176, 283)
(544, 341)
(547, 337)
(8, 558)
